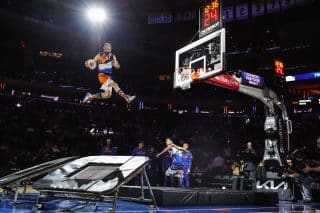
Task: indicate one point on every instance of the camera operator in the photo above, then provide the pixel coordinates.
(294, 172)
(303, 167)
(314, 166)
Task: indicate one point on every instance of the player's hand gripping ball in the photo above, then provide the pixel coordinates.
(91, 64)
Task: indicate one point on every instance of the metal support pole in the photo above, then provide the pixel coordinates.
(150, 190)
(38, 204)
(16, 193)
(4, 194)
(141, 181)
(114, 203)
(24, 188)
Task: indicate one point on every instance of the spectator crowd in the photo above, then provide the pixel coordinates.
(38, 131)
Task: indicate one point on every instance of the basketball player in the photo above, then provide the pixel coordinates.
(166, 163)
(176, 168)
(106, 62)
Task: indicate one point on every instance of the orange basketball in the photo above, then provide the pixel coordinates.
(91, 64)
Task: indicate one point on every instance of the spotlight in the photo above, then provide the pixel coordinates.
(96, 15)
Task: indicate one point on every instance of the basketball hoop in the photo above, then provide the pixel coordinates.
(199, 60)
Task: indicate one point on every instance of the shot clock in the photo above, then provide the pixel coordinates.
(210, 18)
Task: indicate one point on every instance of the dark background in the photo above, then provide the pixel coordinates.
(144, 50)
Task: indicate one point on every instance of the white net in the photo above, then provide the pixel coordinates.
(185, 86)
(183, 78)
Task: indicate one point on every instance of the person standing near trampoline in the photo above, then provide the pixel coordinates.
(187, 162)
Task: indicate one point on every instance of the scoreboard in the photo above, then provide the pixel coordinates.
(210, 18)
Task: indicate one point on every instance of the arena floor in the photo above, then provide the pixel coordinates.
(26, 204)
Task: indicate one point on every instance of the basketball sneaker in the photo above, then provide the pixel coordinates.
(130, 98)
(86, 98)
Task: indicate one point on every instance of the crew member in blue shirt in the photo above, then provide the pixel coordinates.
(139, 151)
(187, 162)
(152, 168)
(108, 149)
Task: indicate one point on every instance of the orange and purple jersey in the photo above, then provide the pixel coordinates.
(104, 63)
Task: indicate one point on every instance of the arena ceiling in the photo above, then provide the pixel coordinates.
(146, 51)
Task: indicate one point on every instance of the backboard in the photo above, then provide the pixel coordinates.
(200, 60)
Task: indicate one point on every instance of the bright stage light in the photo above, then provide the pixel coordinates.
(96, 15)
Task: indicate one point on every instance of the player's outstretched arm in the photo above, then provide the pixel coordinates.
(164, 150)
(179, 147)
